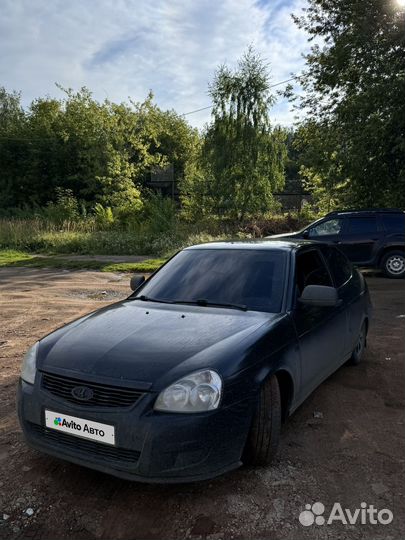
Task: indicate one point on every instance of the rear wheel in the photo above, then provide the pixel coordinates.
(360, 346)
(264, 434)
(393, 264)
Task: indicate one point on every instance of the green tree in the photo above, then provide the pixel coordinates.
(12, 148)
(242, 157)
(169, 139)
(11, 112)
(319, 165)
(354, 86)
(100, 152)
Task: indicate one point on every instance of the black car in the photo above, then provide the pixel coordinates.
(369, 238)
(193, 374)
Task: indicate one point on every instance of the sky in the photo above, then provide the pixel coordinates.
(124, 48)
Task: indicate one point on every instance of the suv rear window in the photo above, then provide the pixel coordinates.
(362, 225)
(394, 222)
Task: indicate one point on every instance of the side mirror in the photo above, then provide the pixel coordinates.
(319, 295)
(136, 281)
(305, 234)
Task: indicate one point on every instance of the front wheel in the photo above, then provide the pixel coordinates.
(360, 346)
(264, 434)
(393, 264)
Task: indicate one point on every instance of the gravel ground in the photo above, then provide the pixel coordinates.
(345, 444)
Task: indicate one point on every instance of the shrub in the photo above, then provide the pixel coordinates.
(277, 224)
(103, 216)
(159, 213)
(65, 208)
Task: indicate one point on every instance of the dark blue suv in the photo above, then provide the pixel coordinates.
(369, 238)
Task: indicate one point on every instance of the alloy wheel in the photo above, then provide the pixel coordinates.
(395, 264)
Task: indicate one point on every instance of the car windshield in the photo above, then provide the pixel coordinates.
(251, 279)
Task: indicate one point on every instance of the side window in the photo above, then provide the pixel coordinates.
(311, 270)
(394, 223)
(362, 225)
(332, 226)
(339, 265)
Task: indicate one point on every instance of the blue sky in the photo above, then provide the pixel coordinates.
(123, 48)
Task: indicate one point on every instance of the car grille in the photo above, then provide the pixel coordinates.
(103, 395)
(91, 448)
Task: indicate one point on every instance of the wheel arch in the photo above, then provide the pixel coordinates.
(366, 321)
(387, 249)
(286, 385)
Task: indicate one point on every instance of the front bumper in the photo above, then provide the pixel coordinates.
(150, 446)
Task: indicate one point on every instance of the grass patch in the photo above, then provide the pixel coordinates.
(12, 258)
(146, 267)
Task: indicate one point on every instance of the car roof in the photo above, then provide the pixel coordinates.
(365, 212)
(258, 244)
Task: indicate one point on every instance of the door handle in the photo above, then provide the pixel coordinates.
(337, 242)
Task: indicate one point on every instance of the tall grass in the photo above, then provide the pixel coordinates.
(37, 235)
(82, 236)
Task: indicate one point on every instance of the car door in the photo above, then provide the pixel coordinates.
(329, 230)
(360, 238)
(349, 286)
(321, 331)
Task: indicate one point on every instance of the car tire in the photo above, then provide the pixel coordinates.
(393, 264)
(264, 435)
(358, 351)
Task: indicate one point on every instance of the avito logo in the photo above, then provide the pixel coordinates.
(62, 422)
(366, 514)
(71, 424)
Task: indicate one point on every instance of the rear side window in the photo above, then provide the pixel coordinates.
(394, 222)
(339, 265)
(311, 270)
(362, 225)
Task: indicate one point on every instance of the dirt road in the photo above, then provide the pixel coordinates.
(350, 451)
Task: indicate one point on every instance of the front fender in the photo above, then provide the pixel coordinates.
(276, 351)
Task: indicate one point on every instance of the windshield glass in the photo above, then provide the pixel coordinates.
(253, 278)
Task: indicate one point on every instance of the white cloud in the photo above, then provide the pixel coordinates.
(124, 48)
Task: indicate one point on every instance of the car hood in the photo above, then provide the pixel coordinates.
(146, 342)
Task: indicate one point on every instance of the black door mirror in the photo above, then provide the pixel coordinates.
(319, 295)
(305, 234)
(136, 281)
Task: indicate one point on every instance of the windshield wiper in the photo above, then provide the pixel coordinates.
(199, 302)
(203, 302)
(149, 299)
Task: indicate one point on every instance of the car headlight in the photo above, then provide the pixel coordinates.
(198, 392)
(29, 369)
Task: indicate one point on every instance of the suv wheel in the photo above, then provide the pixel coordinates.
(393, 264)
